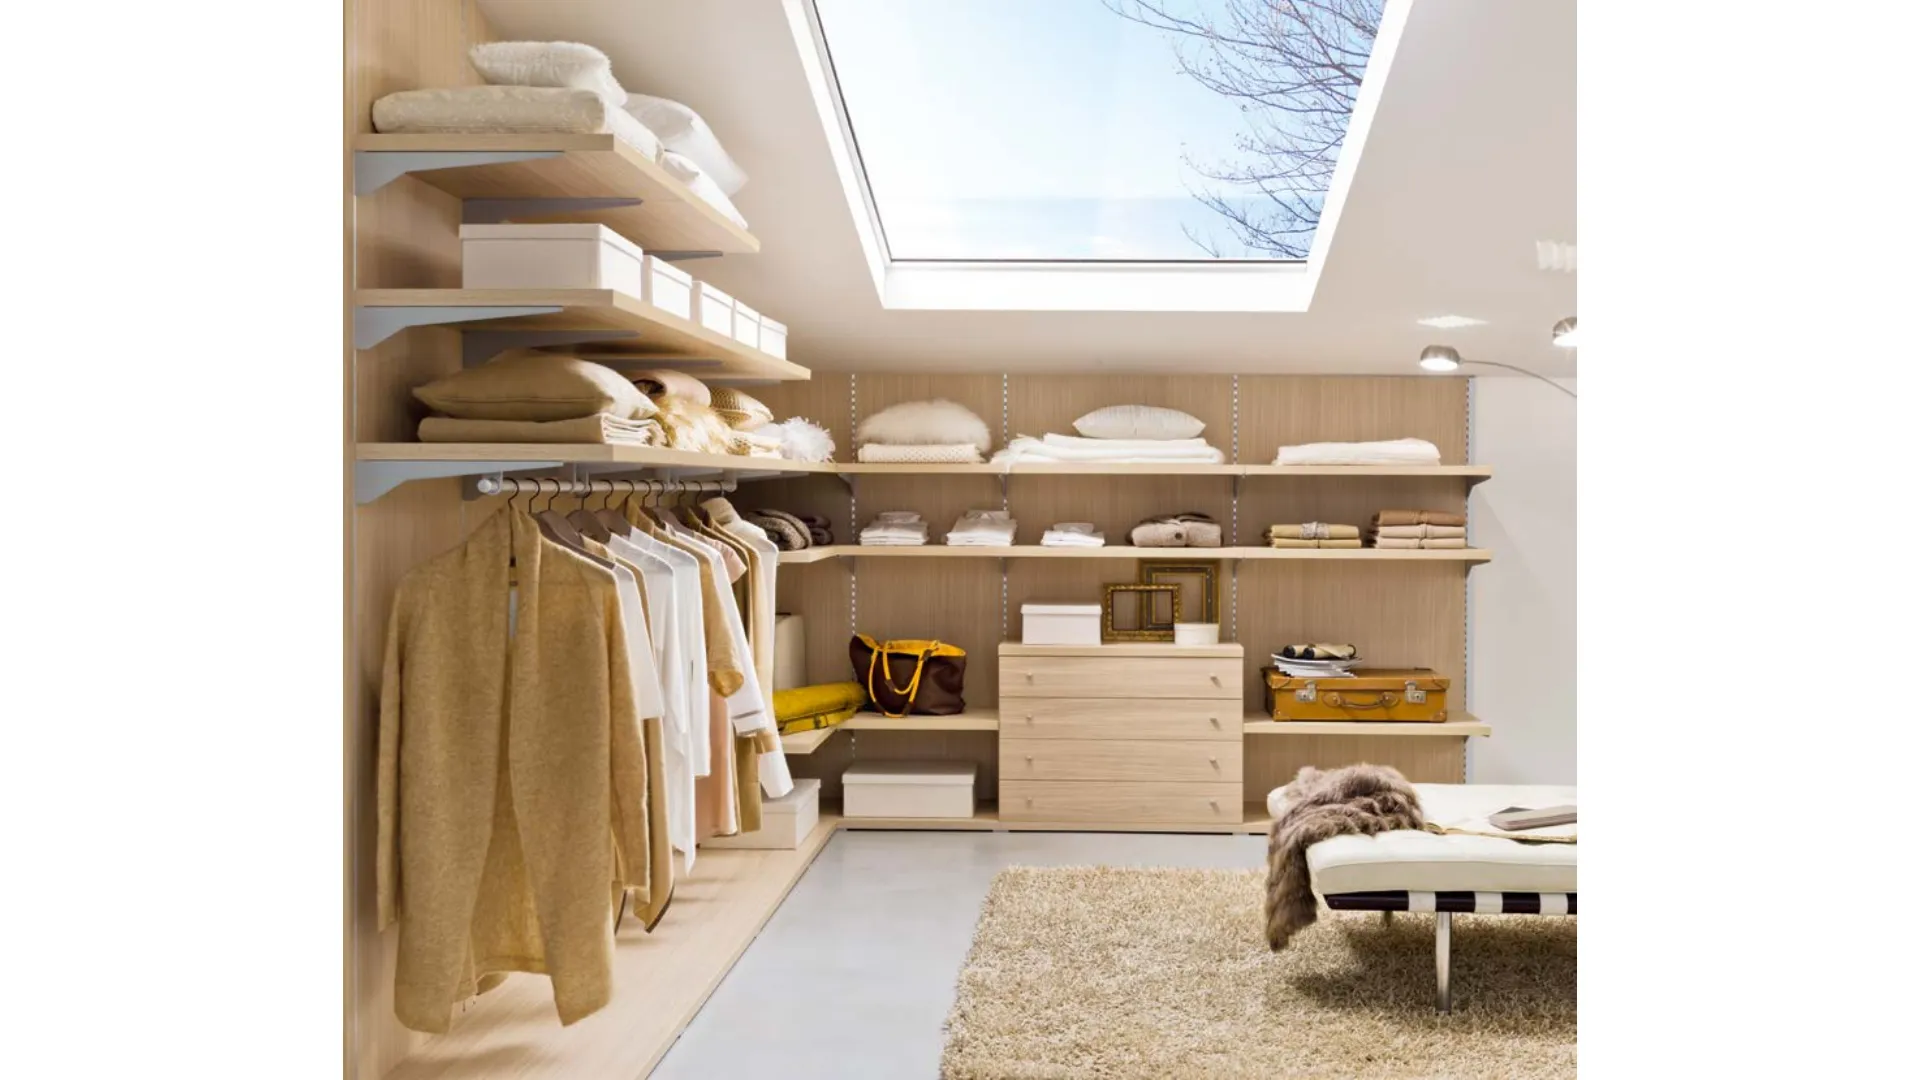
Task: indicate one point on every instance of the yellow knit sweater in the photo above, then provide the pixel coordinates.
(511, 769)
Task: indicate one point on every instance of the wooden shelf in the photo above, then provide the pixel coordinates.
(863, 468)
(654, 337)
(806, 742)
(1470, 472)
(1474, 473)
(583, 453)
(986, 818)
(1259, 724)
(1036, 551)
(592, 166)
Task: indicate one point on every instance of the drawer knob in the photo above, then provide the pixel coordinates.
(1029, 802)
(1029, 718)
(1029, 759)
(1215, 678)
(1214, 761)
(1214, 720)
(1215, 803)
(1029, 676)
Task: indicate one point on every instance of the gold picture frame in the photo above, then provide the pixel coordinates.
(1142, 625)
(1198, 580)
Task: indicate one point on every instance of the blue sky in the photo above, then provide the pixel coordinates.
(1027, 129)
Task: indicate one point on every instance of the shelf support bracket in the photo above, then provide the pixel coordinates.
(373, 325)
(372, 479)
(375, 169)
(495, 211)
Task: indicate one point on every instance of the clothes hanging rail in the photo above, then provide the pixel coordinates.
(511, 485)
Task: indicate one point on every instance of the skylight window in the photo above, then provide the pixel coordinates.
(1098, 130)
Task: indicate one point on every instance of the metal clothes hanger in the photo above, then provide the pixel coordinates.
(588, 523)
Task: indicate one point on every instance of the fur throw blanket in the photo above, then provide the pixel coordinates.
(1357, 800)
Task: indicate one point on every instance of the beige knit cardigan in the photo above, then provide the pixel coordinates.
(510, 773)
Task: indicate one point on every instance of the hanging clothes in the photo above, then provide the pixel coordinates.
(512, 772)
(764, 565)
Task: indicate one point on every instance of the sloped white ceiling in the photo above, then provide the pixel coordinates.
(1469, 162)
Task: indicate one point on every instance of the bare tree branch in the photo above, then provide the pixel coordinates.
(1294, 67)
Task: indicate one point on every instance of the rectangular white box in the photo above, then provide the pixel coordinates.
(784, 822)
(746, 325)
(789, 651)
(773, 337)
(550, 257)
(908, 789)
(712, 308)
(1059, 624)
(669, 288)
(1188, 633)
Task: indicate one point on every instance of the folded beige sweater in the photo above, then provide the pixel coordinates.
(599, 428)
(1313, 530)
(1290, 542)
(1409, 542)
(1419, 517)
(1422, 532)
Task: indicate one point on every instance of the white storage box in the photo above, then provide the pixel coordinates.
(789, 651)
(773, 337)
(1196, 633)
(1059, 624)
(784, 822)
(550, 257)
(746, 325)
(712, 308)
(669, 288)
(908, 789)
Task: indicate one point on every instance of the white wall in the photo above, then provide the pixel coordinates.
(1521, 605)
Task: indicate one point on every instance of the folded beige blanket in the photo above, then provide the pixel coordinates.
(1418, 517)
(1422, 532)
(1313, 530)
(944, 454)
(1409, 542)
(1291, 542)
(599, 428)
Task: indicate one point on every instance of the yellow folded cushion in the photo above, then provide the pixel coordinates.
(820, 720)
(803, 701)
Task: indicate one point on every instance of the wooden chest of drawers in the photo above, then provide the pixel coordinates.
(1128, 735)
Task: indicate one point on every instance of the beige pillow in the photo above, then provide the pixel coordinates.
(744, 411)
(526, 384)
(1139, 422)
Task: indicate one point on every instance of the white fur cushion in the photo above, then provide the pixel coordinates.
(1139, 422)
(682, 131)
(925, 423)
(802, 439)
(548, 63)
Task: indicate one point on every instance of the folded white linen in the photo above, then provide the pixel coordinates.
(900, 454)
(983, 528)
(688, 172)
(892, 541)
(1392, 452)
(895, 528)
(1152, 445)
(1073, 534)
(1024, 448)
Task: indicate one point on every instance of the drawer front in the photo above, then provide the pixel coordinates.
(1079, 803)
(1119, 759)
(1114, 677)
(1196, 719)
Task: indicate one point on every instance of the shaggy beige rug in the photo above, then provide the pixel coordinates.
(1123, 974)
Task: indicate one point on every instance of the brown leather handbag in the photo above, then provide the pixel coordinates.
(910, 676)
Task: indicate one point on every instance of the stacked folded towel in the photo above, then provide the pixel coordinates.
(982, 528)
(1393, 452)
(1417, 529)
(1313, 534)
(1073, 534)
(895, 528)
(602, 428)
(806, 708)
(1072, 448)
(1177, 530)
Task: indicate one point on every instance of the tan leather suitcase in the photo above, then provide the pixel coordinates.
(1398, 694)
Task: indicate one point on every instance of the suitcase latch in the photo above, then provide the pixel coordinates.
(1415, 695)
(1306, 693)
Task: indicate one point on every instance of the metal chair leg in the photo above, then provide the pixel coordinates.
(1443, 958)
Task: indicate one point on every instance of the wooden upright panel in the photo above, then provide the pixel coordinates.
(1286, 410)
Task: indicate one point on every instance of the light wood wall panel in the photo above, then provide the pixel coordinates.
(1285, 410)
(406, 234)
(1041, 404)
(1271, 761)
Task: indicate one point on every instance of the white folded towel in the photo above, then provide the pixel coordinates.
(1394, 452)
(1068, 448)
(895, 528)
(1073, 534)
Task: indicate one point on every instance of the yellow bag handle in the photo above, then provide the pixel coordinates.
(923, 651)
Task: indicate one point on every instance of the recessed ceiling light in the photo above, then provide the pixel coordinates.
(1451, 322)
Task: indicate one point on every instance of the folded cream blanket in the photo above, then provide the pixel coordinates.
(1073, 448)
(898, 454)
(1073, 534)
(600, 428)
(1408, 542)
(1394, 452)
(1177, 530)
(1313, 530)
(1421, 532)
(1418, 517)
(982, 528)
(1295, 542)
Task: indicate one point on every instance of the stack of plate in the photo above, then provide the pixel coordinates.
(1315, 669)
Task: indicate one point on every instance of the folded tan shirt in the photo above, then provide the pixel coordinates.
(1418, 517)
(599, 428)
(1409, 542)
(1290, 542)
(1313, 530)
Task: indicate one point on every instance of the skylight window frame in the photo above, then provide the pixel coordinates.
(1031, 284)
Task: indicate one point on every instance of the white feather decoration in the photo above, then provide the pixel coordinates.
(802, 439)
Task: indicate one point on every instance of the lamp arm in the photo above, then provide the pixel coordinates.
(1524, 371)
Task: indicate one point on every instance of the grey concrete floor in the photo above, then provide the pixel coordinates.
(853, 976)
